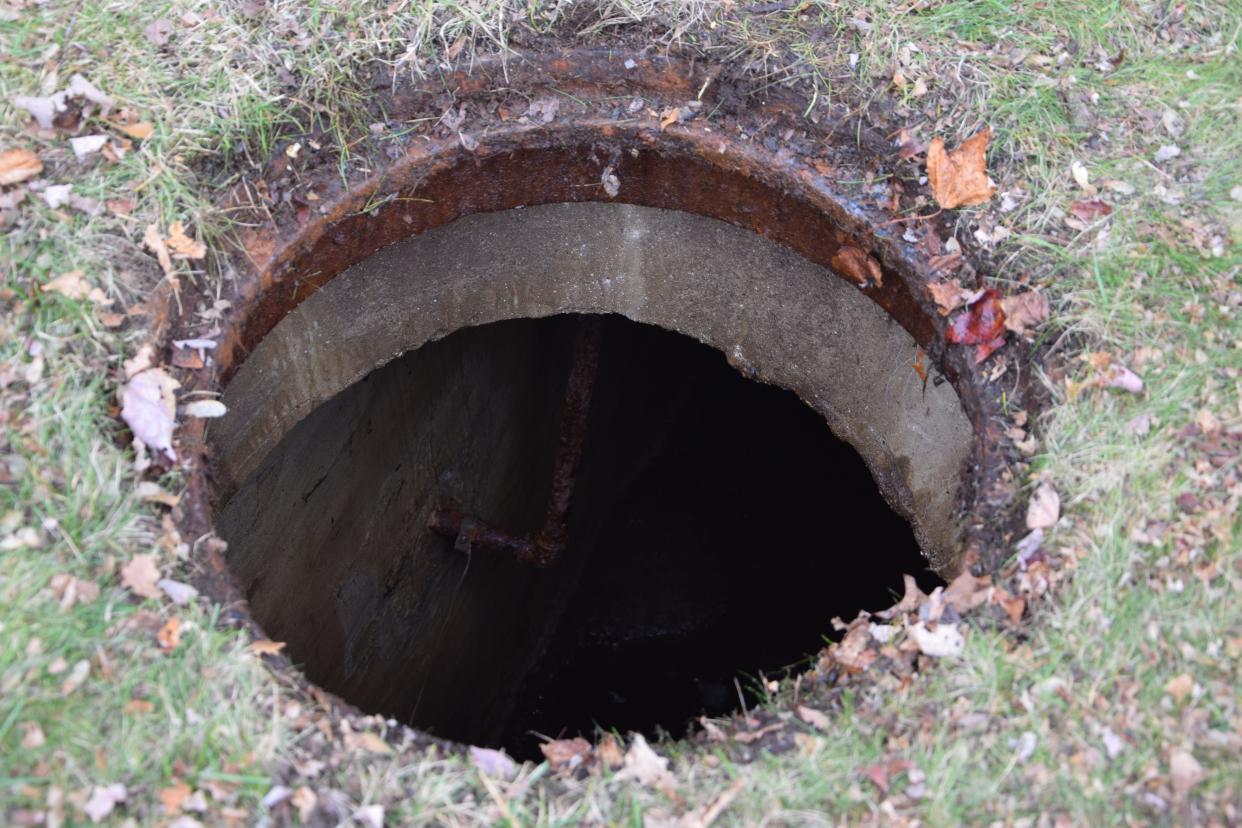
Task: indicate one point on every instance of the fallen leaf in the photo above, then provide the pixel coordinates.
(120, 206)
(920, 365)
(959, 178)
(1081, 177)
(33, 737)
(158, 31)
(371, 743)
(182, 246)
(609, 752)
(1120, 377)
(707, 814)
(145, 409)
(1090, 209)
(943, 642)
(140, 132)
(966, 592)
(141, 576)
(857, 266)
(57, 195)
(1044, 510)
(305, 800)
(909, 601)
(1167, 153)
(544, 109)
(169, 635)
(75, 679)
(138, 706)
(1024, 310)
(149, 492)
(981, 323)
(73, 285)
(155, 243)
(103, 799)
(566, 754)
(69, 590)
(647, 767)
(1185, 771)
(492, 762)
(949, 295)
(1179, 687)
(173, 797)
(18, 165)
(206, 409)
(265, 646)
(669, 117)
(178, 592)
(815, 718)
(86, 145)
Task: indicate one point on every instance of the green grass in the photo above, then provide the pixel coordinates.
(1095, 654)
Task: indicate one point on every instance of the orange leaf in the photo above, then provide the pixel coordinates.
(857, 266)
(18, 165)
(169, 635)
(140, 132)
(265, 646)
(960, 178)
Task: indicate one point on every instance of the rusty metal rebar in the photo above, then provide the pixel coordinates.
(546, 544)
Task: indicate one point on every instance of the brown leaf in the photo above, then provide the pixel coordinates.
(182, 246)
(18, 165)
(158, 32)
(566, 754)
(138, 706)
(669, 117)
(34, 737)
(949, 295)
(960, 177)
(155, 243)
(857, 266)
(1090, 209)
(909, 601)
(920, 365)
(967, 592)
(706, 815)
(1044, 510)
(371, 743)
(1185, 772)
(169, 635)
(1024, 310)
(265, 646)
(141, 575)
(73, 285)
(815, 718)
(609, 752)
(1180, 687)
(647, 767)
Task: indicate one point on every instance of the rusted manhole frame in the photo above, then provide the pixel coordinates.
(754, 163)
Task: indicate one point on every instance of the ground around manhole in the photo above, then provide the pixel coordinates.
(1111, 700)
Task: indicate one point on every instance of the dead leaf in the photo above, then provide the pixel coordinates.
(173, 797)
(566, 754)
(1024, 310)
(265, 646)
(1185, 772)
(909, 601)
(305, 800)
(371, 743)
(34, 737)
(647, 767)
(139, 132)
(103, 799)
(1180, 687)
(206, 409)
(169, 635)
(155, 243)
(141, 576)
(158, 32)
(920, 365)
(57, 195)
(1090, 209)
(179, 593)
(813, 717)
(1081, 177)
(609, 752)
(18, 165)
(960, 178)
(149, 492)
(69, 590)
(148, 408)
(942, 642)
(86, 145)
(544, 109)
(980, 323)
(73, 285)
(857, 266)
(707, 814)
(138, 706)
(1044, 510)
(492, 762)
(949, 295)
(120, 206)
(669, 117)
(182, 246)
(76, 677)
(966, 592)
(1120, 377)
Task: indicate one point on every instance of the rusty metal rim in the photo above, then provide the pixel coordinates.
(794, 193)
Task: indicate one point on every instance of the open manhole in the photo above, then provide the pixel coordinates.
(583, 422)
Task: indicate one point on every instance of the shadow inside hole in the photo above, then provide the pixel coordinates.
(717, 526)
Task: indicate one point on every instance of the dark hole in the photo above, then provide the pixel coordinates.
(717, 526)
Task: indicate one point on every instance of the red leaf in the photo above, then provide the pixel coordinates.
(980, 324)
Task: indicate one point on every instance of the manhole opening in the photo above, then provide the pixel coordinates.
(716, 527)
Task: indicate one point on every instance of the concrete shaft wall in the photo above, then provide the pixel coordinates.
(325, 531)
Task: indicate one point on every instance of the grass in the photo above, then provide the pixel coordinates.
(1134, 608)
